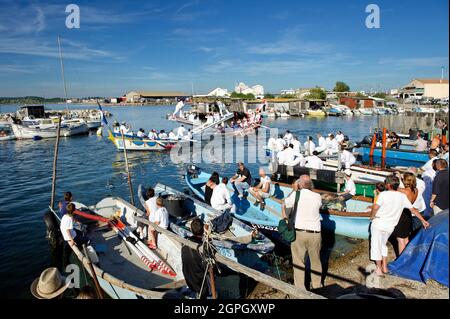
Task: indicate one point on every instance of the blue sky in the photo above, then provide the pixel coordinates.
(168, 45)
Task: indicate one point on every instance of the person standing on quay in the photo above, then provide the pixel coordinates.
(439, 198)
(308, 232)
(385, 216)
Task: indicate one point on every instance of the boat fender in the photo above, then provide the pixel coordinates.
(53, 234)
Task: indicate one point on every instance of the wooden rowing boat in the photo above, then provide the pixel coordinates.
(120, 271)
(237, 244)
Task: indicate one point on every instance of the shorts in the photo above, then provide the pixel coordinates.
(263, 195)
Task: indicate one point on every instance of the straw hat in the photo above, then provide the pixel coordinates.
(348, 172)
(49, 285)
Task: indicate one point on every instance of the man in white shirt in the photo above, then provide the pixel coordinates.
(172, 136)
(152, 135)
(297, 146)
(308, 232)
(332, 146)
(281, 157)
(428, 175)
(322, 144)
(385, 216)
(162, 135)
(350, 187)
(281, 143)
(420, 145)
(347, 158)
(178, 108)
(314, 161)
(340, 137)
(180, 132)
(289, 154)
(123, 128)
(288, 137)
(140, 133)
(309, 145)
(221, 197)
(262, 190)
(161, 219)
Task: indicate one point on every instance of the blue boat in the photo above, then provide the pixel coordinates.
(395, 157)
(238, 243)
(354, 222)
(243, 208)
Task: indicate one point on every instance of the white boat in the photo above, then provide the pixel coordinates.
(6, 133)
(366, 112)
(125, 269)
(74, 127)
(93, 123)
(33, 130)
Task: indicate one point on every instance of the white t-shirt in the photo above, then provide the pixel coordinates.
(311, 145)
(280, 144)
(348, 159)
(340, 138)
(419, 204)
(67, 225)
(296, 145)
(308, 210)
(281, 156)
(428, 169)
(289, 154)
(220, 196)
(333, 145)
(322, 142)
(181, 131)
(421, 145)
(151, 205)
(391, 204)
(288, 138)
(264, 181)
(172, 136)
(314, 162)
(162, 217)
(350, 187)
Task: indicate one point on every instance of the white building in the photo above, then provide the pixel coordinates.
(431, 88)
(219, 92)
(256, 90)
(288, 92)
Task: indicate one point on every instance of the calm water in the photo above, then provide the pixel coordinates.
(91, 168)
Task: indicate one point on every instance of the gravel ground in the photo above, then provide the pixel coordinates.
(352, 274)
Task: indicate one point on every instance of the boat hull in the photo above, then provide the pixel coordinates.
(144, 145)
(396, 157)
(23, 132)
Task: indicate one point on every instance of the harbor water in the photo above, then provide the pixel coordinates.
(91, 168)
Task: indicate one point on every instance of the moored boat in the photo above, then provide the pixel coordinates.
(122, 269)
(133, 143)
(6, 133)
(317, 113)
(239, 243)
(395, 157)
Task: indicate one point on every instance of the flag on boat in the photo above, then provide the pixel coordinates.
(102, 115)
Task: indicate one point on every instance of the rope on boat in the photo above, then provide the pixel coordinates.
(207, 252)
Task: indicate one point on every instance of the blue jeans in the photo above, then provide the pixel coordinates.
(427, 196)
(241, 187)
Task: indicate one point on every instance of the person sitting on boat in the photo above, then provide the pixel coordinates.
(309, 145)
(188, 136)
(68, 198)
(123, 128)
(332, 145)
(261, 191)
(296, 145)
(436, 142)
(294, 158)
(420, 145)
(162, 135)
(116, 127)
(180, 132)
(314, 161)
(347, 158)
(152, 135)
(221, 198)
(340, 137)
(322, 145)
(212, 182)
(194, 266)
(67, 227)
(393, 141)
(281, 143)
(281, 156)
(151, 208)
(350, 187)
(161, 218)
(172, 136)
(241, 180)
(141, 133)
(288, 137)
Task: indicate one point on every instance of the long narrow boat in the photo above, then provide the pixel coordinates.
(396, 157)
(353, 222)
(316, 113)
(121, 271)
(134, 143)
(239, 243)
(243, 209)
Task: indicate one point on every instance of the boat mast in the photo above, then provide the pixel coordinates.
(62, 72)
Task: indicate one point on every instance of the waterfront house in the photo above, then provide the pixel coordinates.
(430, 88)
(146, 96)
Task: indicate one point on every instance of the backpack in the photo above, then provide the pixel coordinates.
(221, 223)
(286, 228)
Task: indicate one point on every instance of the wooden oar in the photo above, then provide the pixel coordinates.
(94, 276)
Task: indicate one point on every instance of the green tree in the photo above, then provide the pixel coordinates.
(242, 96)
(380, 95)
(341, 87)
(316, 94)
(269, 96)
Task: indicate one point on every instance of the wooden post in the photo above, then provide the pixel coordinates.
(55, 161)
(383, 151)
(94, 276)
(127, 168)
(372, 147)
(212, 281)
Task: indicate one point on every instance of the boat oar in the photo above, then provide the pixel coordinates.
(94, 275)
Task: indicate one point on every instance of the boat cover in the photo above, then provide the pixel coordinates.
(426, 256)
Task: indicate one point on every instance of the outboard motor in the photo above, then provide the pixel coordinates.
(178, 206)
(193, 171)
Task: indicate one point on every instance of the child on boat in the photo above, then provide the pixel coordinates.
(161, 218)
(68, 198)
(67, 227)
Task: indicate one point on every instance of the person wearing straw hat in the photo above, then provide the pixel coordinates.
(50, 284)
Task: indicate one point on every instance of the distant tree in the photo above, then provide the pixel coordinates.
(360, 95)
(243, 96)
(289, 96)
(269, 96)
(380, 95)
(341, 87)
(316, 94)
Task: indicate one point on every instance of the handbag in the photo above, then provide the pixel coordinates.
(286, 228)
